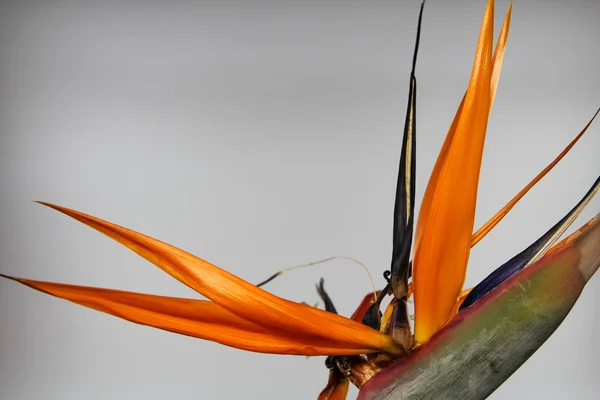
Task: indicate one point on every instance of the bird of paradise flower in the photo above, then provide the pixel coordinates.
(379, 351)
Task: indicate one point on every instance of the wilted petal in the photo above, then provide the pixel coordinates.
(329, 307)
(364, 306)
(404, 204)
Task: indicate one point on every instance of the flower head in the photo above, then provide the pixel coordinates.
(245, 316)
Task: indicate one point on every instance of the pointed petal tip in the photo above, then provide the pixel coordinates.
(53, 206)
(47, 204)
(12, 278)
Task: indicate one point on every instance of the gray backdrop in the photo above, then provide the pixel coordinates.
(260, 135)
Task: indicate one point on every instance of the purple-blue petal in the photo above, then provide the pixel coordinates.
(521, 260)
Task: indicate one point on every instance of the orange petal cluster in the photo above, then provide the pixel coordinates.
(240, 315)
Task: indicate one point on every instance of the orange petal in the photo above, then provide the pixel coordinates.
(238, 296)
(499, 55)
(447, 212)
(489, 225)
(197, 318)
(496, 68)
(337, 386)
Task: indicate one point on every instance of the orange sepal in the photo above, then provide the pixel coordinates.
(240, 297)
(489, 225)
(499, 55)
(197, 318)
(337, 386)
(447, 214)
